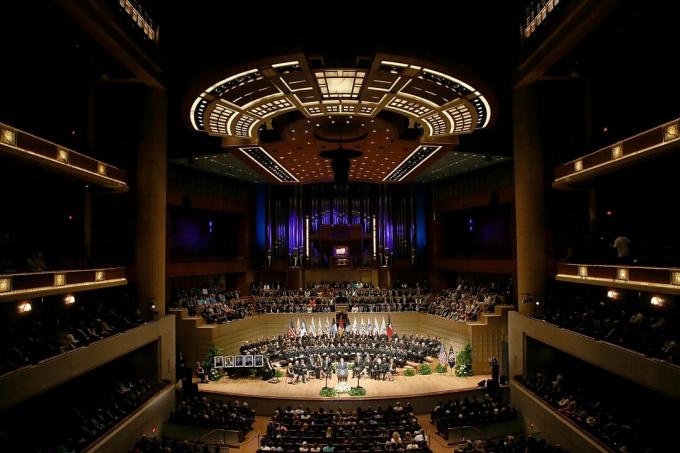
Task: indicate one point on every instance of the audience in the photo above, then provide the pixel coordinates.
(509, 444)
(392, 429)
(632, 324)
(310, 349)
(214, 304)
(35, 336)
(155, 445)
(624, 431)
(200, 411)
(468, 300)
(466, 412)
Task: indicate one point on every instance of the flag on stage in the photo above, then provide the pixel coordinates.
(362, 330)
(376, 327)
(312, 329)
(291, 329)
(334, 329)
(390, 329)
(328, 326)
(442, 355)
(383, 328)
(349, 326)
(303, 330)
(298, 329)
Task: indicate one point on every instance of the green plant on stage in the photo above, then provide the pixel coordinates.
(441, 369)
(425, 369)
(214, 374)
(279, 373)
(328, 392)
(357, 391)
(409, 372)
(464, 362)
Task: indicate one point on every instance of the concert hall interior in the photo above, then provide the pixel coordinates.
(352, 227)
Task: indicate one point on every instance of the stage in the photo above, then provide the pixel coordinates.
(421, 391)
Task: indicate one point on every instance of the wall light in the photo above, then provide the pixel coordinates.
(622, 274)
(671, 132)
(62, 155)
(99, 276)
(101, 169)
(656, 301)
(59, 280)
(612, 294)
(583, 271)
(578, 165)
(8, 136)
(675, 278)
(617, 151)
(5, 285)
(25, 307)
(70, 299)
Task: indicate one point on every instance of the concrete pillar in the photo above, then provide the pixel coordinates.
(151, 181)
(530, 196)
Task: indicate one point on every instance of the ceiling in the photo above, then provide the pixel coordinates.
(282, 117)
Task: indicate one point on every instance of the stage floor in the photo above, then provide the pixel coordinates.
(401, 387)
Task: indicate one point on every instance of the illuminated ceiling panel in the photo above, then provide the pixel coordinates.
(413, 161)
(340, 83)
(262, 158)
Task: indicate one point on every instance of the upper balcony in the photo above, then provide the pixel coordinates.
(665, 280)
(654, 142)
(21, 145)
(28, 285)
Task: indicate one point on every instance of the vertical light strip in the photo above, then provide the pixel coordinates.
(307, 236)
(375, 242)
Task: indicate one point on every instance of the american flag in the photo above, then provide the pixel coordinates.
(292, 333)
(442, 354)
(390, 329)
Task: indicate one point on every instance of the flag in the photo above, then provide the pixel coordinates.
(383, 329)
(362, 329)
(349, 327)
(298, 329)
(442, 354)
(319, 327)
(334, 329)
(312, 329)
(328, 326)
(303, 331)
(341, 323)
(390, 329)
(376, 327)
(291, 329)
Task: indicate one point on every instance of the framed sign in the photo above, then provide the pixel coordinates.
(259, 362)
(238, 361)
(218, 361)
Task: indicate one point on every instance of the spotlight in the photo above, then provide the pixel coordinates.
(612, 294)
(656, 301)
(70, 299)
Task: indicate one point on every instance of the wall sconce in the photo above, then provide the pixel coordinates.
(675, 278)
(8, 137)
(59, 279)
(622, 274)
(25, 307)
(578, 165)
(671, 132)
(612, 294)
(617, 152)
(583, 271)
(99, 276)
(101, 169)
(62, 155)
(5, 285)
(656, 301)
(70, 299)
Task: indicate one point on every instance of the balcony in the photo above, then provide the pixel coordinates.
(655, 374)
(29, 381)
(28, 285)
(654, 142)
(21, 145)
(665, 280)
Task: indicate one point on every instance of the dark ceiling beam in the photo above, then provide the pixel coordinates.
(582, 17)
(99, 20)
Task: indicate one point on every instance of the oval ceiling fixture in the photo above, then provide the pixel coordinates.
(239, 103)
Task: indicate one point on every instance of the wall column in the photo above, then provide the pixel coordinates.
(151, 182)
(530, 195)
